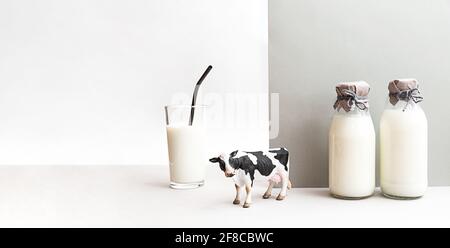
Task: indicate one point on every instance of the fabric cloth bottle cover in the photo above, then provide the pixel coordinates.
(351, 95)
(404, 90)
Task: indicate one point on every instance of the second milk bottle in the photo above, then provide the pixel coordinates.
(403, 142)
(352, 143)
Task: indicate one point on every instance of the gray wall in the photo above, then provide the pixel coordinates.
(314, 44)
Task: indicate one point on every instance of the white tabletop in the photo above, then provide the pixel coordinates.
(138, 196)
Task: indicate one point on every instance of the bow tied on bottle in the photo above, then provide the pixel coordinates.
(348, 100)
(404, 90)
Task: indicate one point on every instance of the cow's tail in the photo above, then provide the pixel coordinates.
(289, 186)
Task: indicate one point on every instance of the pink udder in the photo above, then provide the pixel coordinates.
(275, 178)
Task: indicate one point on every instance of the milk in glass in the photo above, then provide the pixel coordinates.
(186, 154)
(186, 146)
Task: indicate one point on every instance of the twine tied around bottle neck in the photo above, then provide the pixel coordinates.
(404, 90)
(348, 100)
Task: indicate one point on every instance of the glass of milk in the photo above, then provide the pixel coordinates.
(186, 145)
(352, 143)
(403, 142)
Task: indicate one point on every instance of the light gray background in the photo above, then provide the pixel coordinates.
(85, 82)
(314, 44)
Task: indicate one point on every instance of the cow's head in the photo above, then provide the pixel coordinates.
(224, 163)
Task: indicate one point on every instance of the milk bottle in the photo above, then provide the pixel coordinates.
(352, 143)
(403, 142)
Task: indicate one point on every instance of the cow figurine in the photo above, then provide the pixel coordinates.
(241, 166)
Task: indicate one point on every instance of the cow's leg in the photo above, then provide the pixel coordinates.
(248, 199)
(268, 192)
(284, 186)
(237, 199)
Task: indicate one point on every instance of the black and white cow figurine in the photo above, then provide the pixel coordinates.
(241, 166)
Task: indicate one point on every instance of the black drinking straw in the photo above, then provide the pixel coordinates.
(194, 97)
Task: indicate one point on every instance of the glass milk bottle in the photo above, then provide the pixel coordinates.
(403, 142)
(352, 143)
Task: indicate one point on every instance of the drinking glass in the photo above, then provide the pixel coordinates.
(186, 144)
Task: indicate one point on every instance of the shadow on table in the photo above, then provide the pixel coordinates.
(325, 193)
(322, 192)
(157, 184)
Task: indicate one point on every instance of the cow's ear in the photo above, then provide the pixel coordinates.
(214, 160)
(233, 153)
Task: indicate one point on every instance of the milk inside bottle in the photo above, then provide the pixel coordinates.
(186, 146)
(352, 143)
(403, 142)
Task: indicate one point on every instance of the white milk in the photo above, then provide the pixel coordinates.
(403, 152)
(187, 154)
(352, 155)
